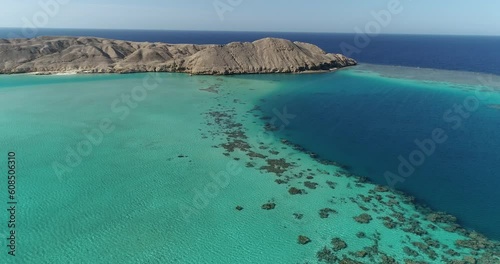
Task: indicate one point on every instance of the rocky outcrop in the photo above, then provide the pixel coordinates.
(363, 218)
(268, 206)
(338, 244)
(97, 55)
(303, 240)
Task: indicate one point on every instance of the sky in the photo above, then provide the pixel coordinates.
(457, 17)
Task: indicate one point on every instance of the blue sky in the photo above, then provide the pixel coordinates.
(417, 17)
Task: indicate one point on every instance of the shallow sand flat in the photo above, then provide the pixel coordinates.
(124, 202)
(464, 80)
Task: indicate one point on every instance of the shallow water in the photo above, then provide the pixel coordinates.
(145, 191)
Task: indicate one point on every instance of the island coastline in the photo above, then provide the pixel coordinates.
(84, 55)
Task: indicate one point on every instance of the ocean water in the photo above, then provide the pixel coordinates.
(365, 120)
(123, 202)
(146, 192)
(162, 185)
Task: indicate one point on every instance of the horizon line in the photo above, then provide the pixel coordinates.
(258, 31)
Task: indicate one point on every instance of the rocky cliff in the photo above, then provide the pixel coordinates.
(97, 55)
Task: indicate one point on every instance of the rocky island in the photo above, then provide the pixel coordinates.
(47, 55)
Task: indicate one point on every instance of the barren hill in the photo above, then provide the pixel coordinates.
(98, 55)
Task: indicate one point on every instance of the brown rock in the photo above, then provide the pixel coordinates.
(294, 191)
(338, 244)
(298, 216)
(268, 206)
(410, 252)
(472, 244)
(310, 185)
(361, 235)
(325, 212)
(363, 218)
(347, 260)
(439, 217)
(381, 189)
(326, 256)
(303, 240)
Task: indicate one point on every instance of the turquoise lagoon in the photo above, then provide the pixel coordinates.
(156, 177)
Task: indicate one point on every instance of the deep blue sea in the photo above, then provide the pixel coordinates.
(367, 123)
